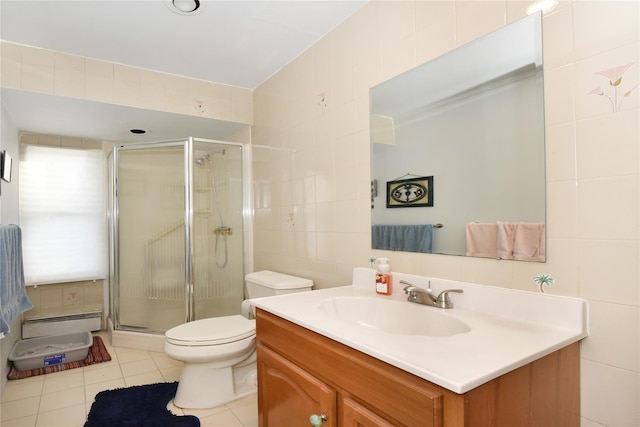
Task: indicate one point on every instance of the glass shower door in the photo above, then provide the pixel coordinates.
(218, 255)
(151, 287)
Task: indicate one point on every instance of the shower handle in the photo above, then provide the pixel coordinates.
(222, 230)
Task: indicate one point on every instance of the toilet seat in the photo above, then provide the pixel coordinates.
(213, 331)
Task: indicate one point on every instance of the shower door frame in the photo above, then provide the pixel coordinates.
(188, 158)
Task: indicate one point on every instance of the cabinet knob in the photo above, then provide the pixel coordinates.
(316, 420)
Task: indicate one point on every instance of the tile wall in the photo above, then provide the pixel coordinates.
(55, 73)
(311, 166)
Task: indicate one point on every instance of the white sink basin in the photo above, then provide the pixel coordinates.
(393, 317)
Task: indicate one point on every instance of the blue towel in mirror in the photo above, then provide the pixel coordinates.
(407, 238)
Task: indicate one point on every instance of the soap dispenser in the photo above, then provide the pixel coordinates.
(383, 277)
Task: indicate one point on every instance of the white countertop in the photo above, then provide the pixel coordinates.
(509, 328)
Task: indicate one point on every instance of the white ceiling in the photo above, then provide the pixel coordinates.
(239, 43)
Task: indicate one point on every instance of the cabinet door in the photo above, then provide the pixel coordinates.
(288, 395)
(356, 415)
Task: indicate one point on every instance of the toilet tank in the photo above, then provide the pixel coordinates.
(268, 283)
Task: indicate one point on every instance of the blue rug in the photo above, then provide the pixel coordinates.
(139, 406)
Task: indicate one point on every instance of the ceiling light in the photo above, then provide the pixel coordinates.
(184, 7)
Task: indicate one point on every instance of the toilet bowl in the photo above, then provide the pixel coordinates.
(219, 354)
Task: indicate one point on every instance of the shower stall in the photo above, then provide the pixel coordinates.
(176, 233)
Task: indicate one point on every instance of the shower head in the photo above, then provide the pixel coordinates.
(202, 159)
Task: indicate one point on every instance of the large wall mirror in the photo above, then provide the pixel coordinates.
(458, 160)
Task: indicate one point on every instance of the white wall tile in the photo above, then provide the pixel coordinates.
(608, 145)
(477, 18)
(589, 80)
(608, 341)
(614, 397)
(600, 26)
(559, 95)
(609, 272)
(608, 208)
(557, 29)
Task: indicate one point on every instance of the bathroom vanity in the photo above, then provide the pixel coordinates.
(339, 354)
(301, 373)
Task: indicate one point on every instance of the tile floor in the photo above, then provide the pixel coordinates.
(64, 398)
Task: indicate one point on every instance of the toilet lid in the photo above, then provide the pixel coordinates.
(213, 331)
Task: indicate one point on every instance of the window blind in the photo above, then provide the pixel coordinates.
(62, 214)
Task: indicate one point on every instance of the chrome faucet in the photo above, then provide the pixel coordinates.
(426, 297)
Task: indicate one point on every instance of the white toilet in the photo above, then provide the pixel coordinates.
(219, 353)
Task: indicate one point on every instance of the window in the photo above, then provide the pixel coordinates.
(62, 214)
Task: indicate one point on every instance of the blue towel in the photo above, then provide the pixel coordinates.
(13, 296)
(407, 238)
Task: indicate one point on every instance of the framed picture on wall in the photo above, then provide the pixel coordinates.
(5, 166)
(411, 192)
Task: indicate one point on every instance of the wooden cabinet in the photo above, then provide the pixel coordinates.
(290, 395)
(301, 373)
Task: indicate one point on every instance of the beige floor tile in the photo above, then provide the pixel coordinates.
(53, 382)
(19, 408)
(138, 367)
(101, 375)
(144, 378)
(102, 365)
(29, 421)
(72, 416)
(223, 419)
(19, 389)
(171, 374)
(91, 390)
(163, 361)
(127, 355)
(203, 413)
(247, 411)
(62, 399)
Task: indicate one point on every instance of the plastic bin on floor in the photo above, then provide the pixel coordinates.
(41, 352)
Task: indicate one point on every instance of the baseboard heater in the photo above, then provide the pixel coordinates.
(63, 324)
